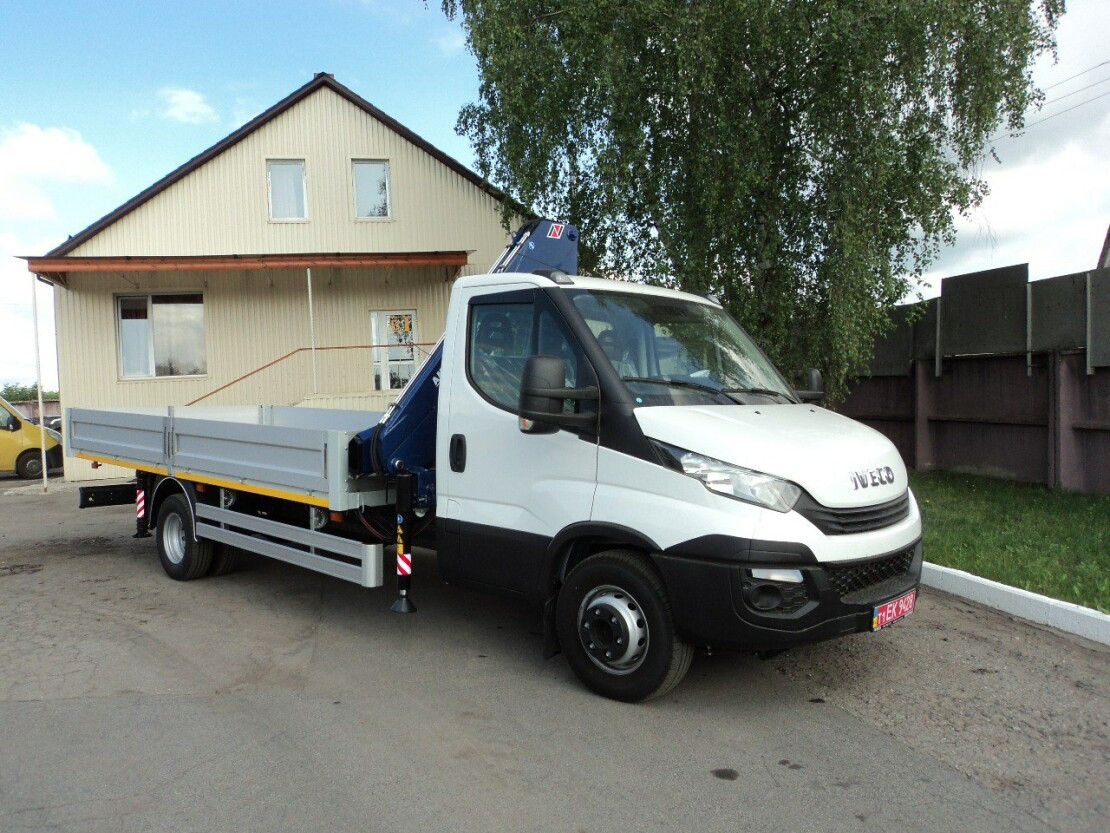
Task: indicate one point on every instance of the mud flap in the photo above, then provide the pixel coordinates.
(551, 645)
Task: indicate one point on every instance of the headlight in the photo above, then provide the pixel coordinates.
(734, 481)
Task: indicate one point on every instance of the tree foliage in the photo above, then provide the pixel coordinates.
(801, 159)
(14, 392)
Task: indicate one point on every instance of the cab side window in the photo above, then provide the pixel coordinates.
(501, 338)
(499, 343)
(7, 421)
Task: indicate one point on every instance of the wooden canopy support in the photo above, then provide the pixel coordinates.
(55, 269)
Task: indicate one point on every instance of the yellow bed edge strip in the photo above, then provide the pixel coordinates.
(211, 481)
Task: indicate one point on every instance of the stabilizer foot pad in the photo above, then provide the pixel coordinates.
(403, 605)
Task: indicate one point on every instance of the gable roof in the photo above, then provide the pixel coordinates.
(320, 81)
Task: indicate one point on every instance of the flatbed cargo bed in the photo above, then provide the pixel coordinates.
(298, 454)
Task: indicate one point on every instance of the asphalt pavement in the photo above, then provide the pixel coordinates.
(276, 699)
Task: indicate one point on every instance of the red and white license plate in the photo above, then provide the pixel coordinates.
(890, 612)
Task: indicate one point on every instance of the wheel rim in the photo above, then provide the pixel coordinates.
(173, 538)
(613, 630)
(34, 467)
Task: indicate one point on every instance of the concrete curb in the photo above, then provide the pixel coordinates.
(1065, 616)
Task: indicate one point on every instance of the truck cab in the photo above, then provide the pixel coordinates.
(21, 444)
(628, 456)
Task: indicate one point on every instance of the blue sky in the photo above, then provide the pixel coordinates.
(100, 99)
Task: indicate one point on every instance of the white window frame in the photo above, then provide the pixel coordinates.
(151, 369)
(380, 361)
(270, 192)
(388, 189)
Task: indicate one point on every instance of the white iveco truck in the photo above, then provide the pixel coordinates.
(624, 456)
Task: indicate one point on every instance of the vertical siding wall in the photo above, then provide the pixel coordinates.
(222, 207)
(251, 318)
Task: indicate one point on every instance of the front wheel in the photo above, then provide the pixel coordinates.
(29, 465)
(614, 624)
(183, 556)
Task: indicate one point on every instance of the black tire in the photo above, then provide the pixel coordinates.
(225, 559)
(182, 557)
(29, 465)
(608, 602)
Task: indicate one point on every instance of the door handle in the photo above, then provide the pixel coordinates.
(458, 452)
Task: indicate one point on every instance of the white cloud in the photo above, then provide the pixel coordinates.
(32, 156)
(1051, 212)
(450, 43)
(186, 106)
(1049, 204)
(17, 360)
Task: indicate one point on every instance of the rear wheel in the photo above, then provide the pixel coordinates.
(183, 557)
(615, 627)
(225, 558)
(29, 465)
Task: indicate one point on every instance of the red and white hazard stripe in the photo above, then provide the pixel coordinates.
(140, 504)
(404, 564)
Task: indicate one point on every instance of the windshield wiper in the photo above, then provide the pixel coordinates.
(760, 391)
(678, 383)
(725, 392)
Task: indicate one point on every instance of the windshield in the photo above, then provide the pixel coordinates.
(671, 351)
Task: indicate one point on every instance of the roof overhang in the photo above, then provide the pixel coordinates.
(55, 270)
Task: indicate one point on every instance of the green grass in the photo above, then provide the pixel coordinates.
(1049, 542)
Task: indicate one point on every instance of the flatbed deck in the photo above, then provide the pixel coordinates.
(297, 454)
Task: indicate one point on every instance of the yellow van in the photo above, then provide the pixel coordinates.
(21, 444)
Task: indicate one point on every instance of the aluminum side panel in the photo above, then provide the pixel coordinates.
(118, 434)
(289, 458)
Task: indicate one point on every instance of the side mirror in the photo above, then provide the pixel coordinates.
(814, 387)
(542, 393)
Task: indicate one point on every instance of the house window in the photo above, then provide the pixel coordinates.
(394, 352)
(161, 335)
(287, 189)
(371, 188)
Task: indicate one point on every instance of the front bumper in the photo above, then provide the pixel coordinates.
(715, 602)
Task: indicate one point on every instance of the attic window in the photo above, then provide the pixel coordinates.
(286, 181)
(371, 188)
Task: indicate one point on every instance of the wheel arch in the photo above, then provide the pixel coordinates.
(166, 487)
(577, 542)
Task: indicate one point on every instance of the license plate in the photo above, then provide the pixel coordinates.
(890, 612)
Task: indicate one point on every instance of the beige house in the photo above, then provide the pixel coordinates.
(305, 259)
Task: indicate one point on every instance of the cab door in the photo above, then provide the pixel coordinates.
(504, 494)
(11, 437)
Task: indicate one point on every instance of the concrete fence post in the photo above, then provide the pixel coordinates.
(924, 445)
(1065, 454)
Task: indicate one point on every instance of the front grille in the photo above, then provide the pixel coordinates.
(857, 519)
(851, 578)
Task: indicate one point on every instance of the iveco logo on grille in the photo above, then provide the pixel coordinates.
(872, 477)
